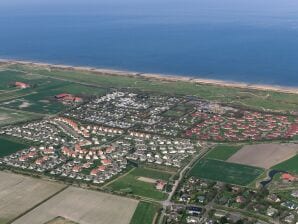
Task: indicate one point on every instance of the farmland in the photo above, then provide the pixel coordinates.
(130, 183)
(144, 213)
(83, 206)
(222, 152)
(225, 172)
(264, 155)
(289, 165)
(8, 147)
(19, 194)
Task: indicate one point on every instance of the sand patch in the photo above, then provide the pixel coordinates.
(264, 155)
(24, 105)
(147, 180)
(4, 117)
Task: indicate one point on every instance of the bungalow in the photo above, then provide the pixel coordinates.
(21, 85)
(160, 185)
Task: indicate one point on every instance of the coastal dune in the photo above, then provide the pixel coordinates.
(161, 77)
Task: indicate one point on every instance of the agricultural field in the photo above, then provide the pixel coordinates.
(225, 172)
(144, 213)
(9, 116)
(264, 155)
(82, 206)
(255, 99)
(132, 184)
(290, 165)
(20, 193)
(222, 152)
(8, 146)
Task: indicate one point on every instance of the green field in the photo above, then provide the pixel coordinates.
(8, 147)
(129, 183)
(290, 165)
(241, 97)
(8, 116)
(222, 152)
(144, 213)
(39, 98)
(225, 172)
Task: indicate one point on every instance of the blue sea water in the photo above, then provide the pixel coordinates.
(254, 41)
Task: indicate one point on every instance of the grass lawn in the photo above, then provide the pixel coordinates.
(225, 172)
(130, 183)
(144, 213)
(290, 165)
(222, 152)
(8, 146)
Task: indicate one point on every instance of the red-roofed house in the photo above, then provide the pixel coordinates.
(21, 85)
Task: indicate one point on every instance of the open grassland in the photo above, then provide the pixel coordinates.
(39, 97)
(225, 172)
(131, 184)
(256, 99)
(290, 165)
(11, 116)
(7, 146)
(222, 152)
(264, 155)
(19, 194)
(84, 207)
(144, 213)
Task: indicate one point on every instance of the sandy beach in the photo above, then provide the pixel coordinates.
(161, 77)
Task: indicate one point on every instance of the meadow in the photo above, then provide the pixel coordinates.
(130, 184)
(222, 152)
(144, 213)
(10, 116)
(256, 99)
(225, 172)
(290, 165)
(39, 98)
(8, 147)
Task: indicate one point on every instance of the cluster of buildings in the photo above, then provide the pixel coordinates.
(123, 109)
(68, 98)
(158, 150)
(21, 85)
(242, 126)
(94, 153)
(206, 196)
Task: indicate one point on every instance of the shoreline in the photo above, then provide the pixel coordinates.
(156, 76)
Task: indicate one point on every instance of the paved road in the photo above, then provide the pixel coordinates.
(168, 202)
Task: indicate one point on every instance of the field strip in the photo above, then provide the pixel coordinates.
(16, 97)
(38, 204)
(21, 111)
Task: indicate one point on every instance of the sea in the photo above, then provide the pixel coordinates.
(253, 41)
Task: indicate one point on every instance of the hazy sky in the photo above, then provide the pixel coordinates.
(246, 12)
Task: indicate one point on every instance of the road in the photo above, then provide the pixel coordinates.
(168, 202)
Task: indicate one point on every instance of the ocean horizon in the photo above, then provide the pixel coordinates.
(241, 41)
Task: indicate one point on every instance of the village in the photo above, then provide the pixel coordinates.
(204, 201)
(102, 139)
